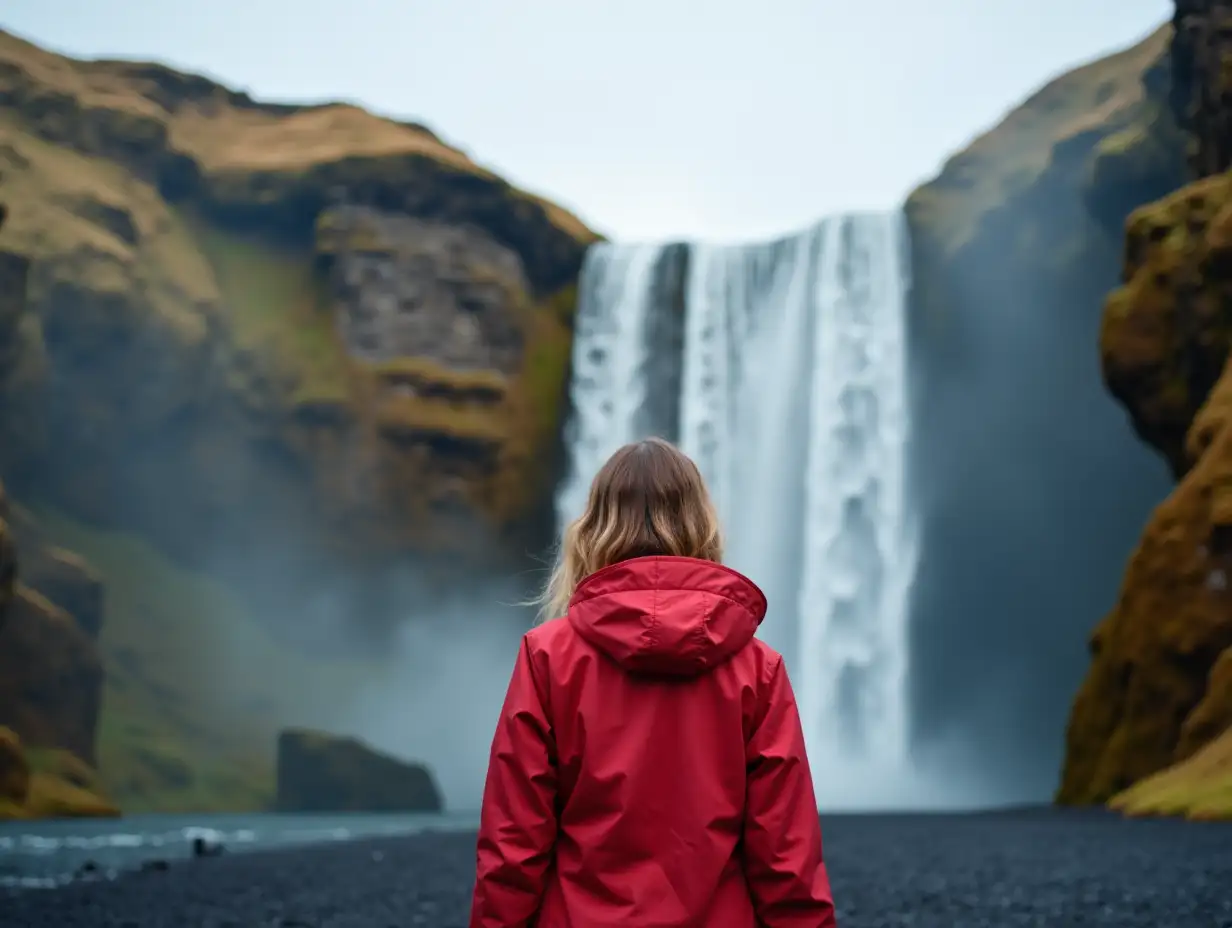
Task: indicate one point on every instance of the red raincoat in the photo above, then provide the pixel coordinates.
(648, 767)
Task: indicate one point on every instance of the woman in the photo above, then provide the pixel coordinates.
(648, 767)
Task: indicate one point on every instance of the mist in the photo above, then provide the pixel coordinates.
(1030, 484)
(438, 696)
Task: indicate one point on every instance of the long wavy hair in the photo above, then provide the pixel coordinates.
(649, 498)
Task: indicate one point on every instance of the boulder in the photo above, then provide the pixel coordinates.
(320, 772)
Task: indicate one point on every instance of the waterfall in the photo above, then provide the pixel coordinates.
(788, 387)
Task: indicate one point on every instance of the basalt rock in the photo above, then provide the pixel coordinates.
(319, 772)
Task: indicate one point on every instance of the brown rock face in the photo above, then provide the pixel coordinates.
(1213, 715)
(50, 672)
(14, 771)
(1202, 88)
(1167, 331)
(50, 676)
(302, 342)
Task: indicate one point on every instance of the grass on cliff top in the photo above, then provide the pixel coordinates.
(196, 688)
(225, 137)
(1197, 788)
(1010, 156)
(67, 211)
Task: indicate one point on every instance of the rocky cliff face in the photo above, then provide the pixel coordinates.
(1157, 689)
(1031, 484)
(283, 371)
(261, 323)
(50, 672)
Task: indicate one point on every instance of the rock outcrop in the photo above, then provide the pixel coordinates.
(318, 772)
(267, 322)
(1158, 688)
(1030, 483)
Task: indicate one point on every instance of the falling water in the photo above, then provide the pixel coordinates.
(610, 354)
(791, 398)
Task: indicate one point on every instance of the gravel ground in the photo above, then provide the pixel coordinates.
(1037, 868)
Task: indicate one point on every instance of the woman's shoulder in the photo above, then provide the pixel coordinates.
(547, 633)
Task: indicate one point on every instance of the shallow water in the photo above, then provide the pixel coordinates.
(50, 853)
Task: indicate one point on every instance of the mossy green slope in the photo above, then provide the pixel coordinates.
(197, 686)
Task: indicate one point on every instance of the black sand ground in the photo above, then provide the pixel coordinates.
(1037, 868)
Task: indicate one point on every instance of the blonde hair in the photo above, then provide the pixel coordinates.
(649, 498)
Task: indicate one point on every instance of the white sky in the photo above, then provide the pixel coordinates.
(652, 119)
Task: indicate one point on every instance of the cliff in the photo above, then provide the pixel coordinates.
(1158, 692)
(1030, 483)
(283, 372)
(260, 321)
(50, 671)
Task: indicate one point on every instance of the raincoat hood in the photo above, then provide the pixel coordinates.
(675, 616)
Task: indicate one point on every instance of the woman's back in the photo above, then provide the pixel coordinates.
(648, 767)
(664, 736)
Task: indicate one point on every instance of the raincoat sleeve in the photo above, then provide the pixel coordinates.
(782, 834)
(517, 827)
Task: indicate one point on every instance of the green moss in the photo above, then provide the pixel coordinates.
(1198, 788)
(196, 687)
(547, 361)
(407, 415)
(426, 370)
(47, 783)
(276, 304)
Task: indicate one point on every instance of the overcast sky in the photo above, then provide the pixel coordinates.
(652, 119)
